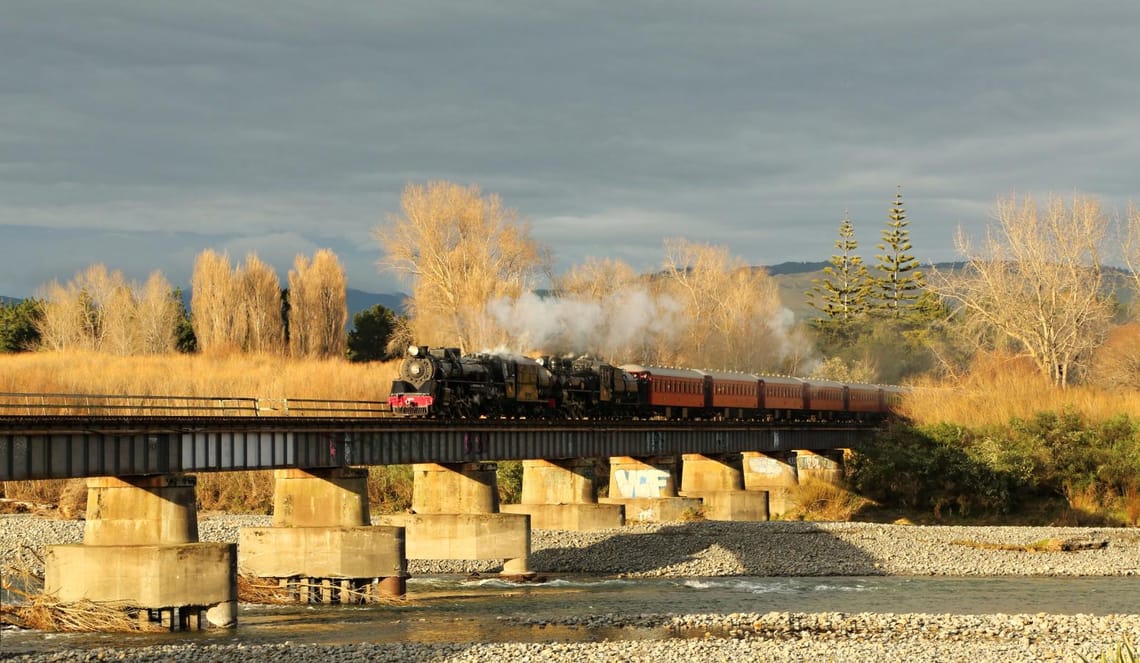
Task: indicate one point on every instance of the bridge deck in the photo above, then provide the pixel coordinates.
(55, 447)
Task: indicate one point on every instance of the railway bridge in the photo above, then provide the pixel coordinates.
(140, 456)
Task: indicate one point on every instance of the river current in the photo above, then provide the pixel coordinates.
(457, 609)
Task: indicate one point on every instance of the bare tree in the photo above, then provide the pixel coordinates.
(118, 319)
(1116, 363)
(733, 309)
(98, 310)
(618, 309)
(596, 279)
(1037, 281)
(63, 323)
(260, 302)
(156, 313)
(318, 310)
(459, 251)
(217, 326)
(76, 315)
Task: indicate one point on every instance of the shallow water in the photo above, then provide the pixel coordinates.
(454, 609)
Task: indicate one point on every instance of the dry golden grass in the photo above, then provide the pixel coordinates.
(266, 377)
(816, 499)
(1130, 505)
(999, 389)
(234, 376)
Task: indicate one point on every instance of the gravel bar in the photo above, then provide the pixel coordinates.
(706, 549)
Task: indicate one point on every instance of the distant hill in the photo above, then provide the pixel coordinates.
(359, 300)
(9, 300)
(796, 268)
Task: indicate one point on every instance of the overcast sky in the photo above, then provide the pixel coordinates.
(136, 133)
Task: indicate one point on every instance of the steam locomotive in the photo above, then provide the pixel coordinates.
(442, 382)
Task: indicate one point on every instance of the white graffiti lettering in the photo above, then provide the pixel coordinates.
(641, 483)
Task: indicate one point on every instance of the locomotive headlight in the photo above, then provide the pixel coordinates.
(413, 351)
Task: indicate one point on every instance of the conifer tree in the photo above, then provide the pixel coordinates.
(898, 283)
(843, 293)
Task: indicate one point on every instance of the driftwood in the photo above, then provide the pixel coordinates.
(1045, 545)
(35, 610)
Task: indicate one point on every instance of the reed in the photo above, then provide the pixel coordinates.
(233, 375)
(1000, 389)
(1123, 652)
(262, 376)
(815, 499)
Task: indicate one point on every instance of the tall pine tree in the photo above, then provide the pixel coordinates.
(842, 294)
(898, 282)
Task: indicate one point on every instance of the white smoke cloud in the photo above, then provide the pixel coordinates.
(612, 327)
(634, 325)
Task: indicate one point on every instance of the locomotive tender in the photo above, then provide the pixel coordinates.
(442, 382)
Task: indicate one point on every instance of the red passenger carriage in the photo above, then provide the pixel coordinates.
(673, 392)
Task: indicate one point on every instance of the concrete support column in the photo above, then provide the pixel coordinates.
(455, 515)
(558, 482)
(140, 548)
(141, 510)
(820, 466)
(719, 482)
(455, 488)
(321, 547)
(705, 474)
(647, 488)
(320, 498)
(562, 495)
(772, 473)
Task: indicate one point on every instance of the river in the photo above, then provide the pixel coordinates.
(457, 609)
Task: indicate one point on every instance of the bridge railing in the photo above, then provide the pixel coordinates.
(313, 407)
(127, 405)
(124, 405)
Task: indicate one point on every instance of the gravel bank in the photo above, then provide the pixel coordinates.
(725, 549)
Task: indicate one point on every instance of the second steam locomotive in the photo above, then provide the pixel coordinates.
(442, 382)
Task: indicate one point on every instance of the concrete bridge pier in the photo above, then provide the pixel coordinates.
(719, 482)
(774, 473)
(140, 547)
(647, 488)
(825, 466)
(563, 495)
(455, 515)
(322, 547)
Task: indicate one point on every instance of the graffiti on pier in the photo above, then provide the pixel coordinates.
(772, 468)
(641, 483)
(810, 461)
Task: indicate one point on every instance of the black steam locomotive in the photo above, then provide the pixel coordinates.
(442, 382)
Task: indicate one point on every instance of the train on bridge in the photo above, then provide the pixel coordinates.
(442, 382)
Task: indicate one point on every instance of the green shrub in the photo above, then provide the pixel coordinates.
(948, 468)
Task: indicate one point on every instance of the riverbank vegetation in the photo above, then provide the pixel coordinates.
(1007, 443)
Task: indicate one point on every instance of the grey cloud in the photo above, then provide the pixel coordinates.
(749, 124)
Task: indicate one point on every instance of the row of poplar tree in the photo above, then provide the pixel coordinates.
(234, 308)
